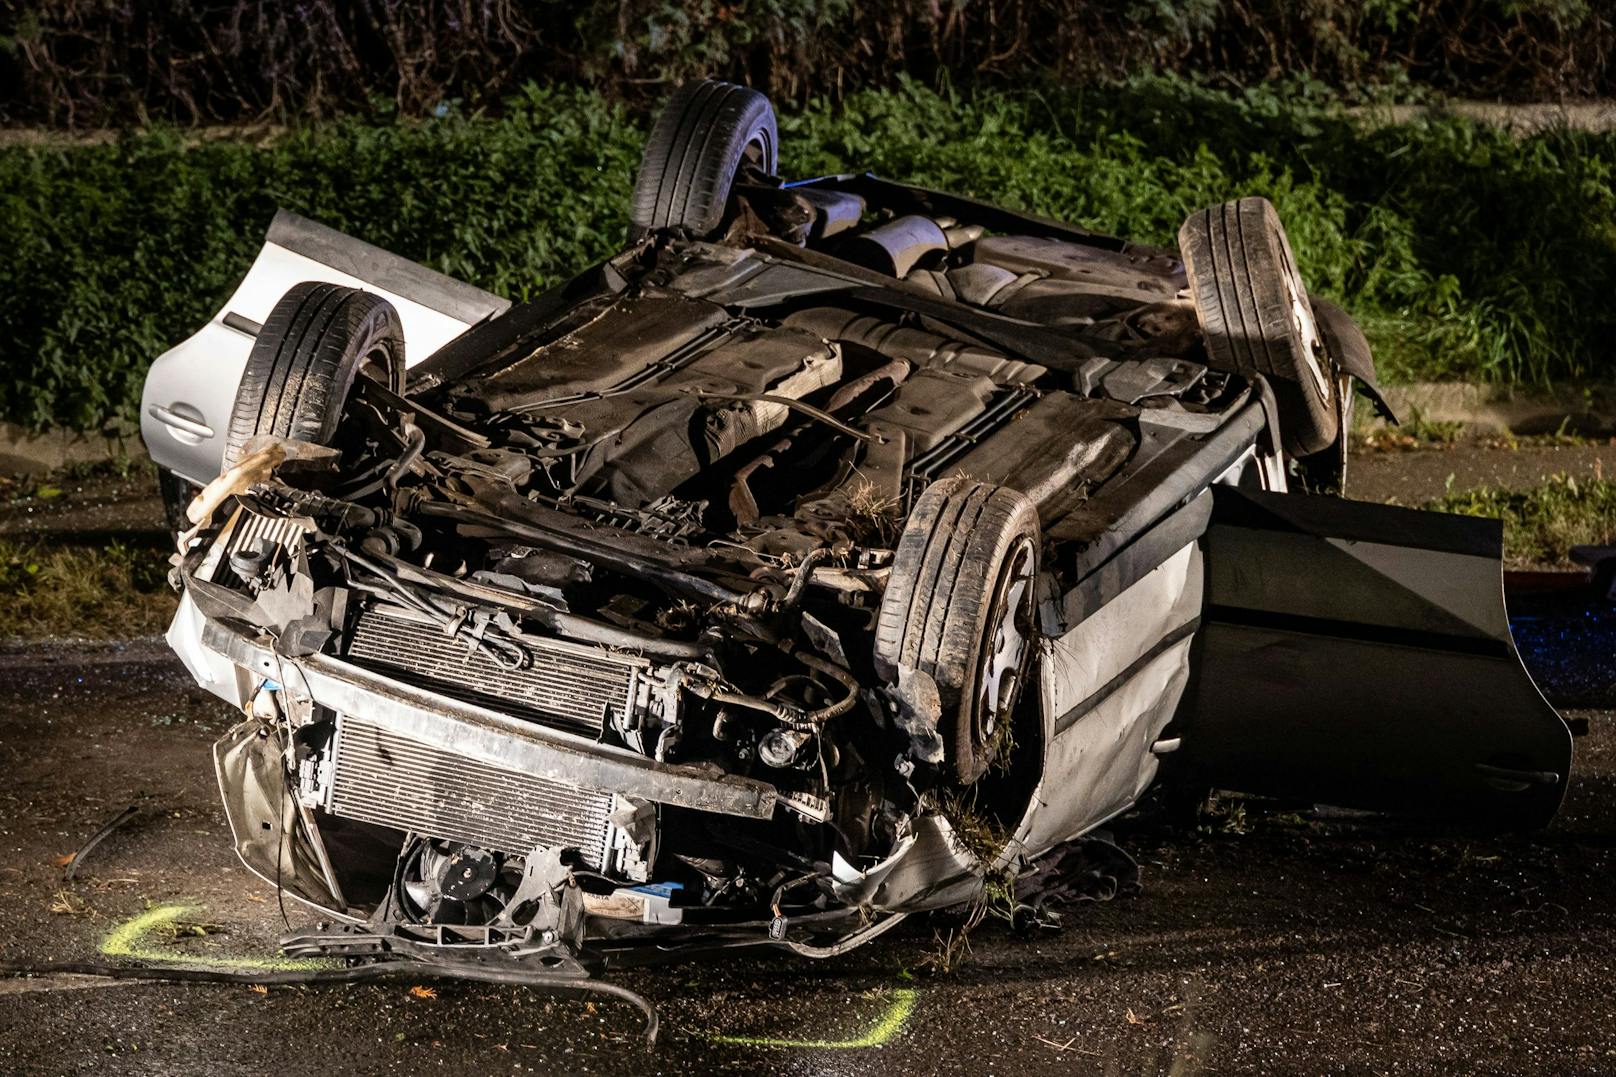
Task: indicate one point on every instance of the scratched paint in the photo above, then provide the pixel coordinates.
(879, 1034)
(129, 940)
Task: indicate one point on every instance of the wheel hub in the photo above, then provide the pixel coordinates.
(1008, 644)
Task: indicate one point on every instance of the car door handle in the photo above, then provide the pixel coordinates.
(170, 417)
(1520, 779)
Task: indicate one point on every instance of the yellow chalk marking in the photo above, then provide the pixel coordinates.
(878, 1035)
(126, 940)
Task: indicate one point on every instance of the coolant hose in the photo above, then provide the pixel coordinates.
(805, 572)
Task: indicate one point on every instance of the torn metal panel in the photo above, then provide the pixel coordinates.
(1359, 655)
(1109, 686)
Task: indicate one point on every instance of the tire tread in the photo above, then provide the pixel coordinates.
(1237, 259)
(933, 616)
(304, 359)
(692, 153)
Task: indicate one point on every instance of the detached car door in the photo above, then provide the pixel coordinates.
(1359, 655)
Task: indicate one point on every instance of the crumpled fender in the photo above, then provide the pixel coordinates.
(265, 825)
(1350, 349)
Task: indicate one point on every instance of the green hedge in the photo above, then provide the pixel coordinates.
(1466, 253)
(114, 253)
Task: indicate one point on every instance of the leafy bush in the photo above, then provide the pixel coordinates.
(115, 252)
(1466, 252)
(1542, 523)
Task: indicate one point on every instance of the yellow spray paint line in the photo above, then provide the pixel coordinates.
(127, 940)
(879, 1034)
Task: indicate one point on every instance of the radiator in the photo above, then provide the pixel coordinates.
(380, 777)
(564, 686)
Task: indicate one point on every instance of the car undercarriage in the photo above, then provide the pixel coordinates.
(792, 571)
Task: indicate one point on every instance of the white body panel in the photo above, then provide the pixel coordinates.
(1116, 679)
(211, 670)
(191, 388)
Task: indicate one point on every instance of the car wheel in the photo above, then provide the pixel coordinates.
(707, 131)
(959, 606)
(1256, 318)
(316, 340)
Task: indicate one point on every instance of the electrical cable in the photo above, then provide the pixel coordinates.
(95, 839)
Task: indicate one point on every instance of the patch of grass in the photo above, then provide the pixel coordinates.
(1415, 432)
(113, 591)
(1225, 814)
(1542, 523)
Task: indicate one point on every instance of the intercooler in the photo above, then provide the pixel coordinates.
(376, 775)
(381, 777)
(564, 685)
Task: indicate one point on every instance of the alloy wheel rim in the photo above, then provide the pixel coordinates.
(1007, 645)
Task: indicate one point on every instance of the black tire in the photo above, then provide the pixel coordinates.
(706, 131)
(963, 550)
(316, 340)
(1255, 315)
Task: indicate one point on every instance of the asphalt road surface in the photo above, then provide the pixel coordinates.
(1267, 940)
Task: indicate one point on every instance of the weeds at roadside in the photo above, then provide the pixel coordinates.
(112, 591)
(1414, 433)
(1224, 814)
(1542, 523)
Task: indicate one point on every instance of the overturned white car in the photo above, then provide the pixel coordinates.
(835, 547)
